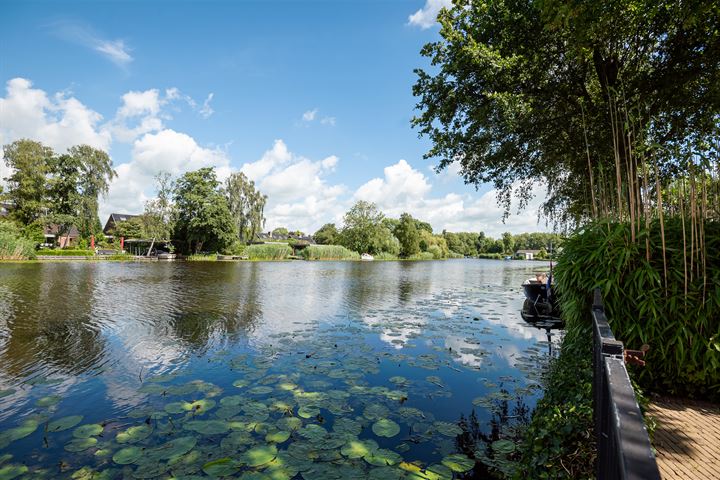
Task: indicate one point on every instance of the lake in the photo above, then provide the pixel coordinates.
(281, 370)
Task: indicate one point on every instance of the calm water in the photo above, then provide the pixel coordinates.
(263, 370)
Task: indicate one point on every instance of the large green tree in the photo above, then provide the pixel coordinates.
(566, 92)
(247, 206)
(408, 235)
(157, 219)
(96, 173)
(202, 217)
(327, 235)
(363, 230)
(29, 162)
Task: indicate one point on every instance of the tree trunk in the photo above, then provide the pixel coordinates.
(151, 245)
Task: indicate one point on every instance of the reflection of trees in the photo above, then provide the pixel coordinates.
(51, 324)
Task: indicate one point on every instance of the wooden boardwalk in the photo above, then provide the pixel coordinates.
(687, 438)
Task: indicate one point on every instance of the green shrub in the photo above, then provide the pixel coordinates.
(422, 256)
(328, 252)
(65, 253)
(385, 256)
(683, 330)
(13, 245)
(201, 258)
(491, 256)
(268, 251)
(559, 443)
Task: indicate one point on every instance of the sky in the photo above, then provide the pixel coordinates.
(311, 99)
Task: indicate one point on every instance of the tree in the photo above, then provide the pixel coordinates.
(327, 235)
(280, 232)
(202, 216)
(96, 173)
(566, 92)
(246, 206)
(363, 230)
(408, 236)
(508, 242)
(29, 163)
(157, 220)
(131, 228)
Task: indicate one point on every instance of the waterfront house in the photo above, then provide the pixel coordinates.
(54, 237)
(114, 219)
(527, 254)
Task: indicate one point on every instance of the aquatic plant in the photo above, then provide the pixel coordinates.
(328, 252)
(13, 246)
(268, 251)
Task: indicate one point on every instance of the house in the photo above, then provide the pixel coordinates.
(54, 238)
(5, 208)
(527, 254)
(114, 219)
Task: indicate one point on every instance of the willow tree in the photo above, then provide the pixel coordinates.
(247, 206)
(96, 173)
(594, 99)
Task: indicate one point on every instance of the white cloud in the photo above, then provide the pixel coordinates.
(115, 50)
(426, 17)
(206, 110)
(328, 121)
(166, 150)
(309, 116)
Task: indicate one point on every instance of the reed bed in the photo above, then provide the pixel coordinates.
(268, 251)
(12, 245)
(328, 252)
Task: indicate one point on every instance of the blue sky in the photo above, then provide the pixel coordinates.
(312, 100)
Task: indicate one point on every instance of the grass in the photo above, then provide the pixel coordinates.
(268, 252)
(328, 252)
(65, 253)
(202, 258)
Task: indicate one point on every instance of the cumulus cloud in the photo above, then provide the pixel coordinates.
(405, 189)
(309, 116)
(426, 17)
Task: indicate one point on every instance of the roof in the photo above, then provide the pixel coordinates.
(54, 228)
(116, 218)
(528, 251)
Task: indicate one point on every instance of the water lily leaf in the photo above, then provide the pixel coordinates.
(80, 444)
(89, 430)
(277, 437)
(150, 470)
(199, 406)
(48, 401)
(173, 448)
(8, 472)
(5, 457)
(64, 423)
(376, 411)
(448, 429)
(23, 430)
(385, 428)
(458, 462)
(259, 455)
(289, 423)
(240, 383)
(261, 390)
(127, 455)
(503, 446)
(308, 411)
(437, 472)
(134, 434)
(221, 467)
(313, 432)
(358, 448)
(175, 407)
(207, 427)
(382, 457)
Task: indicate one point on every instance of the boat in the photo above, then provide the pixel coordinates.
(366, 257)
(166, 256)
(541, 302)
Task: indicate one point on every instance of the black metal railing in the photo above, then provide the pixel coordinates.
(623, 445)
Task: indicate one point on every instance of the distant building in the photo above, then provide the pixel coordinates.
(5, 208)
(114, 219)
(527, 254)
(54, 238)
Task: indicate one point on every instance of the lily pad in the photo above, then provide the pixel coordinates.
(80, 444)
(458, 462)
(358, 448)
(385, 428)
(277, 437)
(207, 427)
(48, 401)
(8, 472)
(16, 433)
(175, 447)
(259, 455)
(382, 457)
(448, 429)
(503, 446)
(199, 406)
(64, 423)
(127, 455)
(308, 411)
(89, 430)
(134, 434)
(221, 467)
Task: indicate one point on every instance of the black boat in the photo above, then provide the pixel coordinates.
(541, 303)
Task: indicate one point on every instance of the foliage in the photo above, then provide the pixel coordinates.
(13, 245)
(559, 442)
(280, 232)
(328, 252)
(201, 258)
(130, 228)
(565, 91)
(246, 206)
(95, 175)
(28, 162)
(679, 313)
(363, 230)
(327, 235)
(268, 251)
(384, 256)
(490, 256)
(422, 256)
(202, 217)
(62, 252)
(157, 220)
(407, 234)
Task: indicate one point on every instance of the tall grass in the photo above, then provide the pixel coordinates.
(201, 258)
(651, 298)
(268, 251)
(13, 246)
(65, 253)
(328, 252)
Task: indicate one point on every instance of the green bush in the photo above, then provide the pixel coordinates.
(559, 443)
(65, 253)
(328, 252)
(13, 245)
(385, 256)
(491, 256)
(683, 330)
(201, 258)
(422, 256)
(268, 251)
